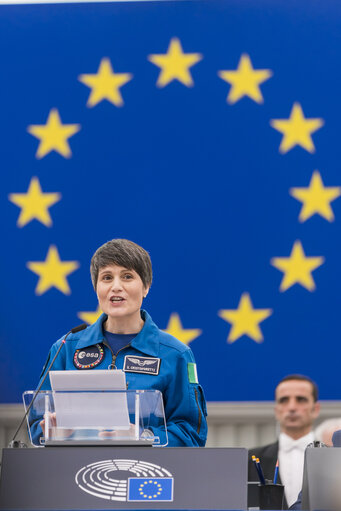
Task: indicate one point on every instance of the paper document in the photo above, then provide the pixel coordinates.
(113, 379)
(82, 399)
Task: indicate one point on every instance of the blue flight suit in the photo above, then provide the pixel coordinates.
(184, 402)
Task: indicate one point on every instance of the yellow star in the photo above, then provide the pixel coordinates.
(34, 204)
(245, 320)
(175, 64)
(297, 268)
(53, 135)
(185, 335)
(297, 130)
(105, 84)
(91, 316)
(53, 272)
(245, 81)
(316, 198)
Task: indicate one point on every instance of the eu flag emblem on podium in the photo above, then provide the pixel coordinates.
(151, 488)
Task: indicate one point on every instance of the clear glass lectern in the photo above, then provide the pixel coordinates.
(110, 417)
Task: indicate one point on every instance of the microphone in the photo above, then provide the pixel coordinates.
(17, 443)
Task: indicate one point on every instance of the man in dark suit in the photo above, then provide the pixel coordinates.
(296, 409)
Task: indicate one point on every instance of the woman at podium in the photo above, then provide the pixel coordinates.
(125, 337)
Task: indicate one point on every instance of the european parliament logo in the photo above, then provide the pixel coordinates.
(150, 489)
(109, 480)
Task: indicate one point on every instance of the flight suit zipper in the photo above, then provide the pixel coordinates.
(113, 356)
(199, 410)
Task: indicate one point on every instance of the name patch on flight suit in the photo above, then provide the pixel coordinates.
(88, 358)
(147, 365)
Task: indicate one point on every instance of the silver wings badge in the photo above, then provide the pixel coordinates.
(142, 363)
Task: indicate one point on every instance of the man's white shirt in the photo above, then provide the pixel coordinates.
(291, 461)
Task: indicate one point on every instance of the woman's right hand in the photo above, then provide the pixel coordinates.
(50, 421)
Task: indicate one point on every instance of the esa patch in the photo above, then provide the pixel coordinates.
(147, 365)
(89, 357)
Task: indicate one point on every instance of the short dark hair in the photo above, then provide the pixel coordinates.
(122, 253)
(301, 377)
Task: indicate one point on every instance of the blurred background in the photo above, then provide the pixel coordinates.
(205, 131)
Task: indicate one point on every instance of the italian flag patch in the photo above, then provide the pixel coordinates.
(192, 372)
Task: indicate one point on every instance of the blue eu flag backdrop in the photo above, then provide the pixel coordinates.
(207, 132)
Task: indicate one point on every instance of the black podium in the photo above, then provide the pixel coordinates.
(110, 477)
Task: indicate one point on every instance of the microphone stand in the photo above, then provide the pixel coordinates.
(18, 443)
